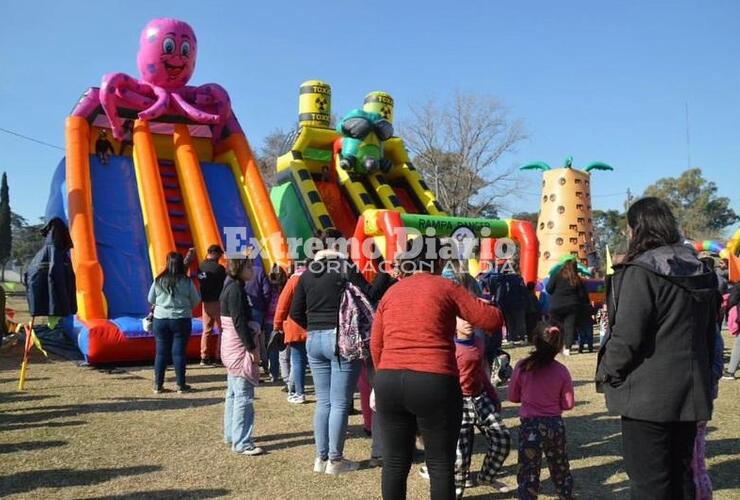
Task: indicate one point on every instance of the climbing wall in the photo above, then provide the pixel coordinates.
(565, 226)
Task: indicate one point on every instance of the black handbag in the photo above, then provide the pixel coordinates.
(276, 341)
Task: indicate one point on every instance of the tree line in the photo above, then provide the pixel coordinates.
(19, 239)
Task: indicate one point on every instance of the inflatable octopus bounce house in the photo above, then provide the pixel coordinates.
(152, 165)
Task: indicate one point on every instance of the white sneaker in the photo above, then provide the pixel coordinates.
(566, 352)
(297, 399)
(252, 452)
(319, 465)
(499, 486)
(341, 467)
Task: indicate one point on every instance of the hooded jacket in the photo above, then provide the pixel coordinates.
(315, 305)
(656, 364)
(50, 279)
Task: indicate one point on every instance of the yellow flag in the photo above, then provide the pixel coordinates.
(609, 265)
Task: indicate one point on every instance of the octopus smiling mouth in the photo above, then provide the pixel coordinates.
(173, 70)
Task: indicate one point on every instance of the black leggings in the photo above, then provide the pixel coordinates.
(568, 317)
(407, 400)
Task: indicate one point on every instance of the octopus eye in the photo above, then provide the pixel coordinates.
(185, 49)
(168, 45)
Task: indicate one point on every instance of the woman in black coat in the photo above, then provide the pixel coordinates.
(568, 298)
(655, 366)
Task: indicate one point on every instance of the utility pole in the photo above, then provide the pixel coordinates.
(629, 198)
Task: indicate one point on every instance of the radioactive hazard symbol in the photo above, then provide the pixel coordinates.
(385, 112)
(321, 103)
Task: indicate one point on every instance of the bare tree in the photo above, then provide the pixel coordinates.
(458, 148)
(275, 144)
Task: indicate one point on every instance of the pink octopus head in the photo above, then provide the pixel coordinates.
(167, 50)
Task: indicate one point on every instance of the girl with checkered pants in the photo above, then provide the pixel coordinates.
(545, 389)
(481, 409)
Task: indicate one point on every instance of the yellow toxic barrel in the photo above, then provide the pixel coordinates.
(381, 103)
(314, 104)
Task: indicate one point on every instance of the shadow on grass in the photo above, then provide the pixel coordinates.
(287, 444)
(29, 379)
(27, 481)
(724, 475)
(167, 494)
(24, 397)
(720, 447)
(22, 427)
(206, 378)
(29, 446)
(126, 404)
(281, 437)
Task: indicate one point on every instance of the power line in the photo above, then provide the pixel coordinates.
(31, 139)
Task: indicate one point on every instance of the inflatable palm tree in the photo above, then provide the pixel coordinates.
(565, 226)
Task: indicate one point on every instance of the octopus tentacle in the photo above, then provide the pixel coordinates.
(112, 89)
(193, 113)
(203, 103)
(134, 99)
(159, 107)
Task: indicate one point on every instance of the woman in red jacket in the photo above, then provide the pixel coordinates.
(295, 339)
(416, 385)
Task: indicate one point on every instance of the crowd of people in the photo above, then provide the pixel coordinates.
(423, 364)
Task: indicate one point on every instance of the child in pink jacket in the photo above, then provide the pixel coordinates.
(544, 388)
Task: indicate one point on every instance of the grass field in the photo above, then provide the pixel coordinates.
(86, 433)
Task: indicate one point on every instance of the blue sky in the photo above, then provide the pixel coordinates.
(597, 80)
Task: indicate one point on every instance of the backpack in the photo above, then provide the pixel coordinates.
(355, 323)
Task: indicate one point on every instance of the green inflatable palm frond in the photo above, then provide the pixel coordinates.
(597, 165)
(537, 165)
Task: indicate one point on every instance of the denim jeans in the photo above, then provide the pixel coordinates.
(284, 360)
(335, 383)
(586, 336)
(239, 413)
(171, 336)
(298, 362)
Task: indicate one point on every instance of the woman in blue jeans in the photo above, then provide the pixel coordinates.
(240, 354)
(315, 307)
(173, 296)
